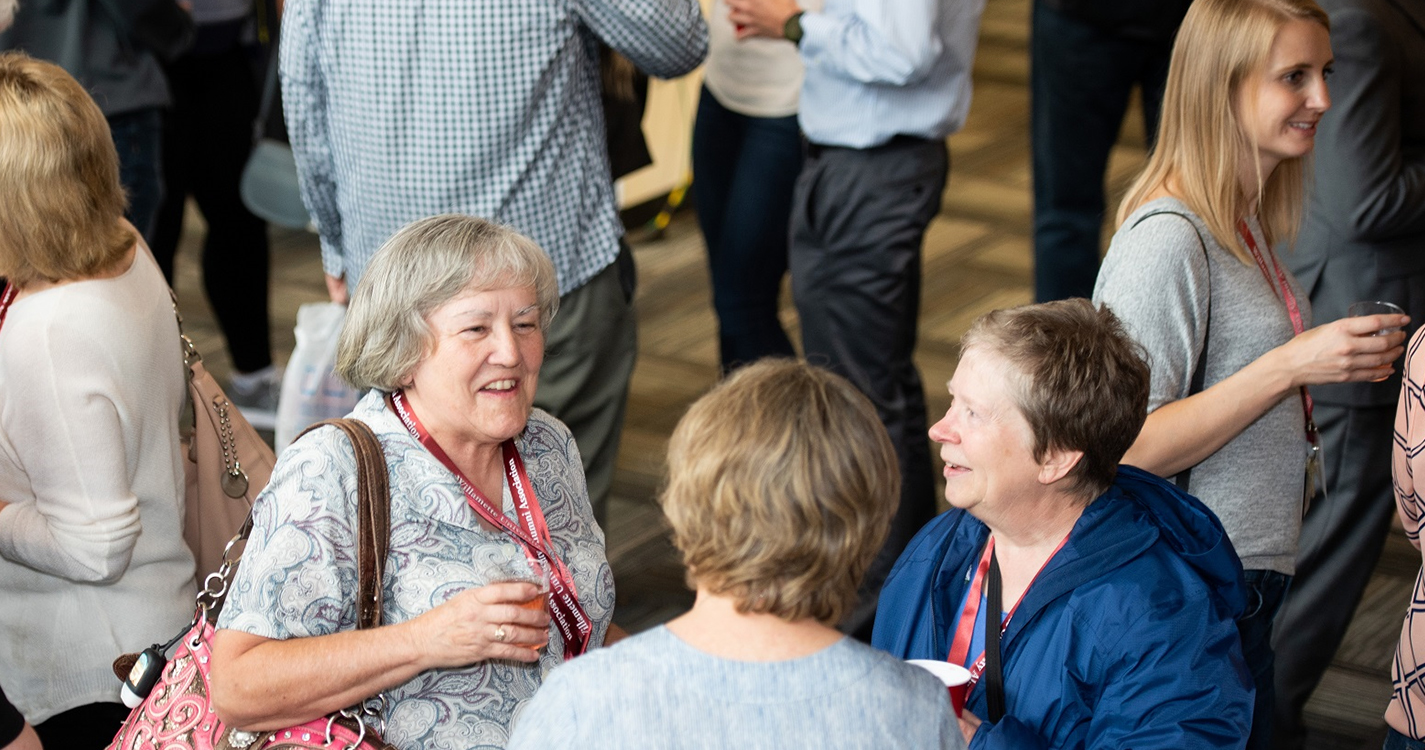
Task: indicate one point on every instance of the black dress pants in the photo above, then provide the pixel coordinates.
(858, 219)
(206, 144)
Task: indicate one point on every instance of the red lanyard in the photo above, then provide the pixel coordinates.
(1293, 310)
(965, 630)
(7, 297)
(533, 538)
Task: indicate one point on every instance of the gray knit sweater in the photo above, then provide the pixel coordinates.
(1156, 278)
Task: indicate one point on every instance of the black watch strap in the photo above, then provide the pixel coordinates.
(792, 30)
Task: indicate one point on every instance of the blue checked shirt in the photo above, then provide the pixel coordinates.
(876, 69)
(401, 110)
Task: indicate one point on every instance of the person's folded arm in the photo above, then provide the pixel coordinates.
(662, 38)
(263, 683)
(84, 522)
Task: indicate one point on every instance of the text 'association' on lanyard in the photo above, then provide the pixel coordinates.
(965, 629)
(532, 533)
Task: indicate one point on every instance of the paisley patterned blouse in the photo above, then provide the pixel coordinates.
(298, 575)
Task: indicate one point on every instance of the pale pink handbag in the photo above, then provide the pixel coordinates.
(226, 463)
(178, 712)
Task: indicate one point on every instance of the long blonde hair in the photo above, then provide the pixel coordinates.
(1201, 140)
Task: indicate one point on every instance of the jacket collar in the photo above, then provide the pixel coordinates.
(1121, 524)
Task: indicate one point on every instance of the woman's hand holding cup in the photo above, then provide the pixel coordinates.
(490, 622)
(1349, 350)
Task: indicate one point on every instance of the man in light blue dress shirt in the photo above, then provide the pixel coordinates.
(399, 111)
(886, 82)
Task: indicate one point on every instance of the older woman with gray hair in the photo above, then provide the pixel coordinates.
(447, 331)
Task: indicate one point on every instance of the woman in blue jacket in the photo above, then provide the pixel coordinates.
(1117, 594)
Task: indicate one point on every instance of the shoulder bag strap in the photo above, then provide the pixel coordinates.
(269, 92)
(1199, 371)
(994, 669)
(373, 516)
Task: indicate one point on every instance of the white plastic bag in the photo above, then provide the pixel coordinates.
(311, 389)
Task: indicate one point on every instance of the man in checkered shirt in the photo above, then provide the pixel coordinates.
(398, 111)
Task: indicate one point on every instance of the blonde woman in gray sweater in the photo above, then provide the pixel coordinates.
(1193, 273)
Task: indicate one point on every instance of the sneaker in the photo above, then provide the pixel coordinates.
(255, 395)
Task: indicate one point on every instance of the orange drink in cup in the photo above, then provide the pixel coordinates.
(520, 569)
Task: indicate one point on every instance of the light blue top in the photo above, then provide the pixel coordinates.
(876, 69)
(655, 691)
(402, 110)
(298, 576)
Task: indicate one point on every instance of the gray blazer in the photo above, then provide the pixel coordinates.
(1364, 233)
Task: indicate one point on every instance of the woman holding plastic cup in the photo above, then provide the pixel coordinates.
(1194, 274)
(488, 504)
(1112, 594)
(781, 487)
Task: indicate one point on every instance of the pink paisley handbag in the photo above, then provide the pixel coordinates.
(178, 712)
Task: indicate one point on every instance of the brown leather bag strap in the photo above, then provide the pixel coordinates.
(373, 517)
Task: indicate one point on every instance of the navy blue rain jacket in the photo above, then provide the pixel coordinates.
(1127, 639)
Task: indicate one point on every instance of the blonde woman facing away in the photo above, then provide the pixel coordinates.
(1194, 273)
(781, 487)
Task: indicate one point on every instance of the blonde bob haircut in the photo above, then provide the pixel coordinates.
(61, 204)
(423, 266)
(1221, 47)
(781, 487)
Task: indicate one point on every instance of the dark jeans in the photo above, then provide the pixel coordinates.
(1396, 741)
(744, 169)
(138, 137)
(1265, 591)
(1080, 78)
(90, 727)
(858, 221)
(206, 145)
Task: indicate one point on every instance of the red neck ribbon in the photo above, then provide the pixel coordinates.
(965, 630)
(1293, 310)
(532, 533)
(7, 298)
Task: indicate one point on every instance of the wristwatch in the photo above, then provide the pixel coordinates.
(792, 30)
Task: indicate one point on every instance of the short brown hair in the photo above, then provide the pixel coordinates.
(59, 177)
(781, 487)
(1083, 385)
